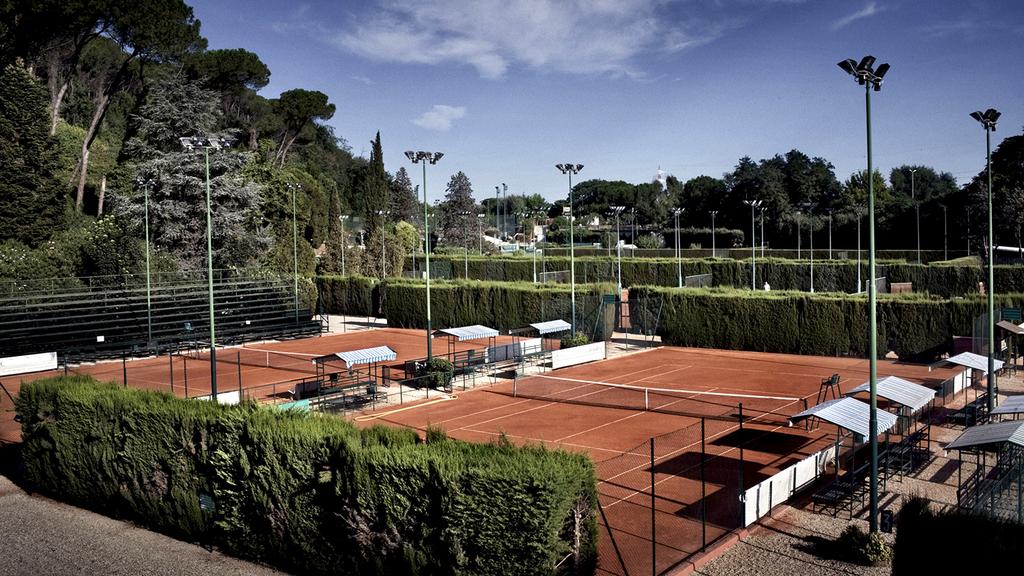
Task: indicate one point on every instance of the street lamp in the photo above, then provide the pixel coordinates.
(869, 78)
(147, 185)
(190, 143)
(917, 208)
(344, 243)
(292, 187)
(424, 158)
(679, 254)
(754, 204)
(618, 245)
(988, 119)
(570, 169)
(713, 251)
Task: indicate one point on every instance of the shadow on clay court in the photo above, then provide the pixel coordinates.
(769, 442)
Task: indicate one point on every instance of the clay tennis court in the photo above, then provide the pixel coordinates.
(570, 408)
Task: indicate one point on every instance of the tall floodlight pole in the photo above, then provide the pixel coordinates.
(424, 158)
(754, 204)
(570, 169)
(945, 235)
(465, 245)
(829, 233)
(988, 119)
(480, 232)
(809, 207)
(860, 216)
(504, 210)
(762, 232)
(291, 186)
(190, 143)
(917, 209)
(869, 78)
(147, 185)
(679, 253)
(713, 251)
(618, 246)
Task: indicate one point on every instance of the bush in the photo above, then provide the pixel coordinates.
(573, 340)
(858, 547)
(308, 494)
(437, 372)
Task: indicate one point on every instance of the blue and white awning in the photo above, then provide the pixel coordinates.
(975, 361)
(364, 356)
(848, 413)
(551, 327)
(475, 332)
(900, 391)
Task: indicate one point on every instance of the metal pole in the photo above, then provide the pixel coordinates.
(654, 539)
(753, 251)
(762, 233)
(872, 327)
(829, 234)
(426, 240)
(572, 258)
(992, 389)
(149, 308)
(859, 218)
(679, 254)
(209, 278)
(295, 253)
(713, 234)
(618, 251)
(343, 247)
(812, 251)
(798, 236)
(945, 236)
(917, 208)
(703, 493)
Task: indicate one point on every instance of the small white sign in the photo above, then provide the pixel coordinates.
(101, 339)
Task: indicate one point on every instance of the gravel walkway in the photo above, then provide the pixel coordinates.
(41, 536)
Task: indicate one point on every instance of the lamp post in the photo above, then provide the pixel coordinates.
(713, 251)
(480, 232)
(917, 209)
(754, 204)
(147, 184)
(869, 78)
(465, 246)
(809, 207)
(618, 246)
(798, 235)
(762, 232)
(570, 169)
(679, 254)
(945, 235)
(988, 119)
(190, 143)
(860, 216)
(424, 158)
(344, 243)
(829, 233)
(291, 186)
(504, 210)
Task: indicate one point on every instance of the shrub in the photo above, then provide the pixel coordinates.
(437, 372)
(858, 547)
(573, 340)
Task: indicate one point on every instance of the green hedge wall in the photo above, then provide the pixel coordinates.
(829, 276)
(822, 324)
(350, 295)
(305, 493)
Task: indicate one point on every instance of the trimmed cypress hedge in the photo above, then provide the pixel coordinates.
(306, 493)
(829, 275)
(912, 326)
(350, 295)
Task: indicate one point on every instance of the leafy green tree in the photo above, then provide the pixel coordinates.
(1007, 194)
(458, 212)
(408, 236)
(383, 238)
(32, 202)
(404, 202)
(298, 109)
(699, 196)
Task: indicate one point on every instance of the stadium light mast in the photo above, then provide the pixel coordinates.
(425, 158)
(570, 169)
(618, 246)
(988, 120)
(869, 77)
(679, 253)
(754, 204)
(147, 184)
(292, 186)
(190, 143)
(713, 213)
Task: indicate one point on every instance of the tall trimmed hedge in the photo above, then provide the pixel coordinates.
(821, 324)
(350, 295)
(829, 275)
(306, 493)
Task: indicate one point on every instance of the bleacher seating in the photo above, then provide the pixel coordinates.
(69, 322)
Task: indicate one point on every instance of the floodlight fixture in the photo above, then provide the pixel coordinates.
(410, 155)
(850, 66)
(866, 63)
(864, 73)
(988, 118)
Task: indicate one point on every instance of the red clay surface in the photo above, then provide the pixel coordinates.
(617, 438)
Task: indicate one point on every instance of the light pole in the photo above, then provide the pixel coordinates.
(829, 233)
(762, 232)
(465, 246)
(190, 143)
(504, 210)
(424, 158)
(480, 232)
(679, 253)
(570, 169)
(147, 184)
(383, 247)
(869, 78)
(798, 235)
(860, 216)
(344, 243)
(713, 251)
(945, 235)
(291, 186)
(754, 204)
(809, 207)
(618, 246)
(917, 209)
(988, 119)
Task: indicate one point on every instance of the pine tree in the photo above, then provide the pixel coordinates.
(405, 205)
(376, 190)
(458, 212)
(32, 204)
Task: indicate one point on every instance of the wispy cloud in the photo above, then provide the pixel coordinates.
(866, 12)
(440, 117)
(363, 80)
(581, 37)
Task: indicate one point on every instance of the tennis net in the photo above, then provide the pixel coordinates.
(259, 357)
(694, 403)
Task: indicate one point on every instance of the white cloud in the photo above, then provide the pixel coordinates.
(866, 12)
(363, 80)
(581, 36)
(440, 117)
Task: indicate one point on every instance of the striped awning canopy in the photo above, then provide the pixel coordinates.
(356, 357)
(990, 436)
(975, 361)
(847, 413)
(1012, 405)
(900, 391)
(551, 326)
(475, 332)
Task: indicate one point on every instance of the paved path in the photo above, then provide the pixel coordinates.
(41, 536)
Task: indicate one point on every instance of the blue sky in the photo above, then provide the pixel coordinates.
(509, 88)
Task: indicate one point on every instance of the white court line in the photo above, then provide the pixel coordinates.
(674, 390)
